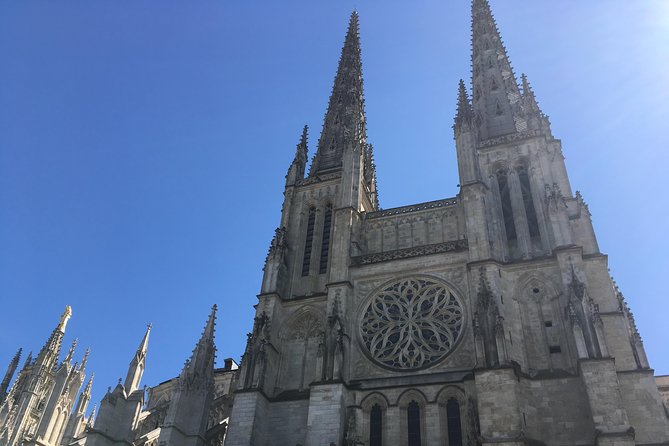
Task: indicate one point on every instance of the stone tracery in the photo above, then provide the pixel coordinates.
(411, 323)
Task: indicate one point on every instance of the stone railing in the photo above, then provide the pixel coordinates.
(509, 138)
(413, 208)
(438, 248)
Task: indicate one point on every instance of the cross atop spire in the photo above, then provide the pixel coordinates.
(495, 90)
(344, 124)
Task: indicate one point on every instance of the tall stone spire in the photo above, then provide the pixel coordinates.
(11, 369)
(137, 364)
(495, 90)
(344, 125)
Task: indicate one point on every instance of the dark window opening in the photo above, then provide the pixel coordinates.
(306, 261)
(454, 424)
(376, 426)
(325, 242)
(507, 210)
(554, 349)
(548, 323)
(413, 423)
(530, 212)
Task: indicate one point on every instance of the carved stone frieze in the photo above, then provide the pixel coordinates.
(518, 136)
(437, 248)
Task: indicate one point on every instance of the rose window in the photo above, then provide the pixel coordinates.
(411, 323)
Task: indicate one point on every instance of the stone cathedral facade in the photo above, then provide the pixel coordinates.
(488, 318)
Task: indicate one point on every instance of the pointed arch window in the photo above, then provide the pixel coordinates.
(308, 242)
(530, 211)
(413, 424)
(376, 426)
(325, 242)
(454, 422)
(507, 210)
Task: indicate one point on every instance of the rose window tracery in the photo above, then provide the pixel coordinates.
(411, 323)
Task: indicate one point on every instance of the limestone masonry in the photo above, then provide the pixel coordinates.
(488, 318)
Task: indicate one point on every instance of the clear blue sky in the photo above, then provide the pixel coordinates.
(143, 148)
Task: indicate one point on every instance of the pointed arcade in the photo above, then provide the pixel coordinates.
(344, 126)
(495, 90)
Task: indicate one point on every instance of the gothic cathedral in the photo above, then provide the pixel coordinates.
(488, 318)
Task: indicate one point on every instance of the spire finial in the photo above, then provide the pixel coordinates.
(28, 360)
(301, 150)
(85, 360)
(64, 318)
(299, 164)
(89, 385)
(91, 418)
(464, 113)
(529, 99)
(11, 369)
(70, 353)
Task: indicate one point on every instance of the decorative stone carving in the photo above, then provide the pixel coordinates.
(413, 208)
(307, 326)
(437, 248)
(411, 323)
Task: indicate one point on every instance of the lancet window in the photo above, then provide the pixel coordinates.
(308, 242)
(507, 210)
(325, 241)
(530, 212)
(454, 422)
(413, 424)
(376, 426)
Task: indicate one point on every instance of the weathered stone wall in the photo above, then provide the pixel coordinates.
(287, 422)
(644, 406)
(556, 411)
